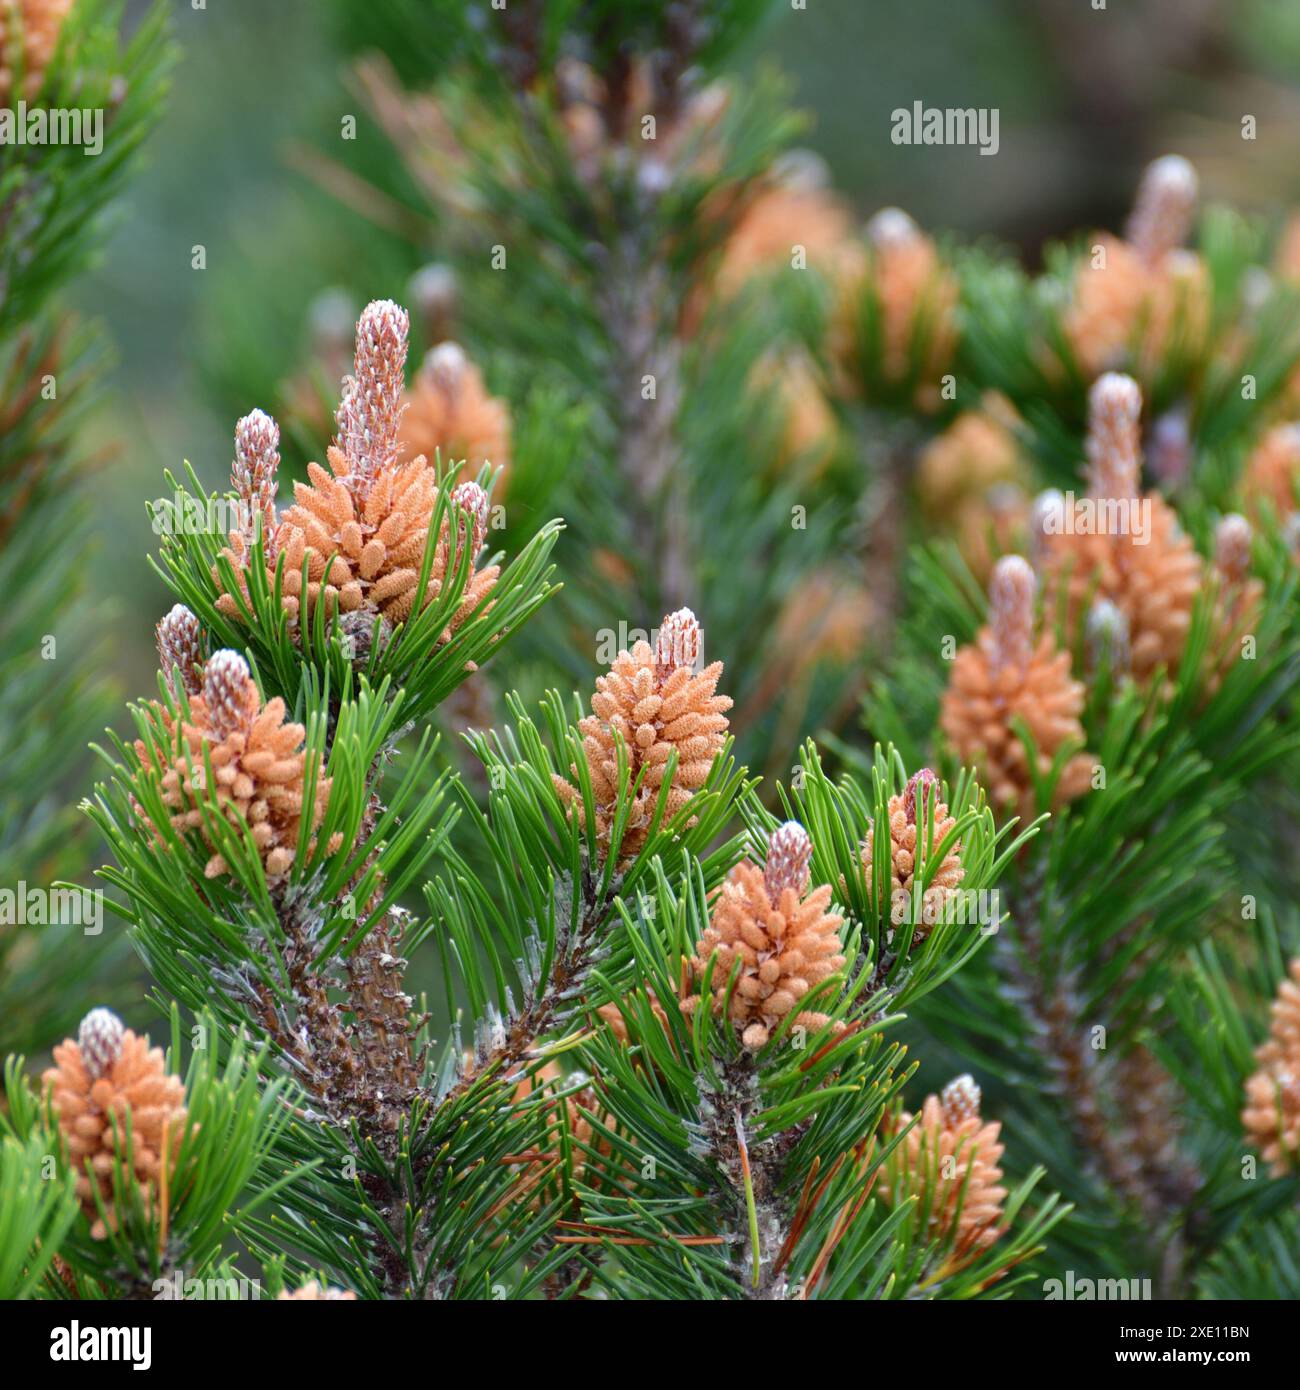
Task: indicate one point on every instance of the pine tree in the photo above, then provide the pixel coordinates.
(264, 832)
(997, 987)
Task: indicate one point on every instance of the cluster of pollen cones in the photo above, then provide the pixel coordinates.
(1131, 553)
(569, 1133)
(948, 1160)
(1011, 678)
(357, 535)
(915, 298)
(257, 759)
(650, 705)
(1117, 571)
(449, 413)
(1272, 1115)
(770, 940)
(919, 824)
(1138, 296)
(107, 1080)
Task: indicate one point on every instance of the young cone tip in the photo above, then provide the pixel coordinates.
(100, 1040)
(1163, 208)
(225, 692)
(1046, 519)
(257, 446)
(382, 331)
(371, 408)
(1114, 435)
(919, 789)
(789, 855)
(891, 227)
(1011, 604)
(960, 1100)
(1106, 632)
(433, 290)
(471, 498)
(679, 643)
(180, 644)
(1232, 546)
(106, 1085)
(445, 366)
(1114, 400)
(254, 474)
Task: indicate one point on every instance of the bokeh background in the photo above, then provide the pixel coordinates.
(261, 87)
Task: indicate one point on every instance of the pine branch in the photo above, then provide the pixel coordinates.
(52, 195)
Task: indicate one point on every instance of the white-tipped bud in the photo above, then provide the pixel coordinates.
(382, 330)
(471, 498)
(1163, 208)
(1011, 619)
(802, 171)
(1115, 396)
(257, 446)
(653, 177)
(1106, 636)
(445, 366)
(678, 643)
(789, 854)
(180, 644)
(257, 464)
(371, 409)
(1004, 500)
(1232, 547)
(1046, 519)
(1114, 436)
(960, 1100)
(922, 789)
(1170, 447)
(100, 1041)
(1174, 176)
(225, 692)
(891, 227)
